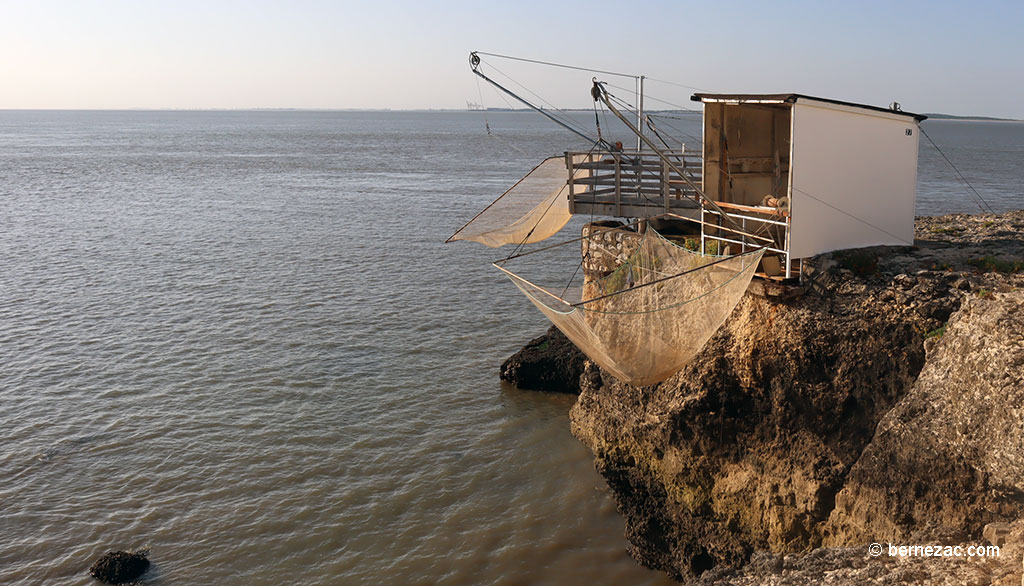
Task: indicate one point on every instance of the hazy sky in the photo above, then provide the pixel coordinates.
(965, 58)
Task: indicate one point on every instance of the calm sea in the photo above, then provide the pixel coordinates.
(237, 338)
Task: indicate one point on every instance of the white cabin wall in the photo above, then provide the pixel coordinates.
(859, 165)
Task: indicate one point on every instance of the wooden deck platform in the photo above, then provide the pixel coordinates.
(631, 184)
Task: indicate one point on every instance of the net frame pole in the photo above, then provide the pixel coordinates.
(531, 283)
(700, 192)
(639, 110)
(474, 64)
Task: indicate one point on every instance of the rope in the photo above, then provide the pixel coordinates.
(580, 264)
(663, 115)
(663, 279)
(845, 213)
(650, 97)
(480, 92)
(567, 122)
(681, 132)
(506, 143)
(487, 123)
(611, 98)
(980, 200)
(689, 87)
(604, 115)
(562, 65)
(623, 103)
(650, 124)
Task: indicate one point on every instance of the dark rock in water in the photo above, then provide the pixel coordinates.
(120, 567)
(549, 363)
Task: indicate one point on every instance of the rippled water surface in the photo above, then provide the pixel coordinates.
(237, 338)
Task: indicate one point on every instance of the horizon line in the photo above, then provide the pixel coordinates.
(932, 115)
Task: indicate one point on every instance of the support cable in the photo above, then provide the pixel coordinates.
(682, 133)
(650, 97)
(846, 213)
(554, 64)
(474, 62)
(566, 118)
(689, 87)
(487, 123)
(605, 96)
(980, 200)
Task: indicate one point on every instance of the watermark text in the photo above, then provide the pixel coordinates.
(937, 551)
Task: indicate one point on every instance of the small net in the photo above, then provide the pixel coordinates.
(653, 313)
(534, 209)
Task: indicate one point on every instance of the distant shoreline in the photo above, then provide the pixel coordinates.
(970, 118)
(398, 110)
(931, 116)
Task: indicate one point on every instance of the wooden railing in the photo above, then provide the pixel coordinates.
(632, 184)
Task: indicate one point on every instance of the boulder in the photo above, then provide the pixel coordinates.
(120, 567)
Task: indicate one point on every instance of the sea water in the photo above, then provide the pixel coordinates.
(237, 338)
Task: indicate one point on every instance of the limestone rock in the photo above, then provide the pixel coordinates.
(996, 533)
(808, 428)
(951, 452)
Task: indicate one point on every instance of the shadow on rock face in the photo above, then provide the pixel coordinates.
(882, 405)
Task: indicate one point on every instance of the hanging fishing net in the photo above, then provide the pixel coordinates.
(535, 208)
(653, 312)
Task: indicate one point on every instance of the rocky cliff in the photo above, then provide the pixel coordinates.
(884, 405)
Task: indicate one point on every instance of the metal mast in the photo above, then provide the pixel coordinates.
(640, 112)
(601, 93)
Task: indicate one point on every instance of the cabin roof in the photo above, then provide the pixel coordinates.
(791, 99)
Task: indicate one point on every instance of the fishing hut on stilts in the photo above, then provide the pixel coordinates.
(779, 178)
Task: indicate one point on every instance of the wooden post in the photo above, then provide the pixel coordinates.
(789, 257)
(682, 166)
(618, 185)
(723, 155)
(664, 186)
(572, 191)
(776, 164)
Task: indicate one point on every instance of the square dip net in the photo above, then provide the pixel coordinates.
(652, 310)
(533, 209)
